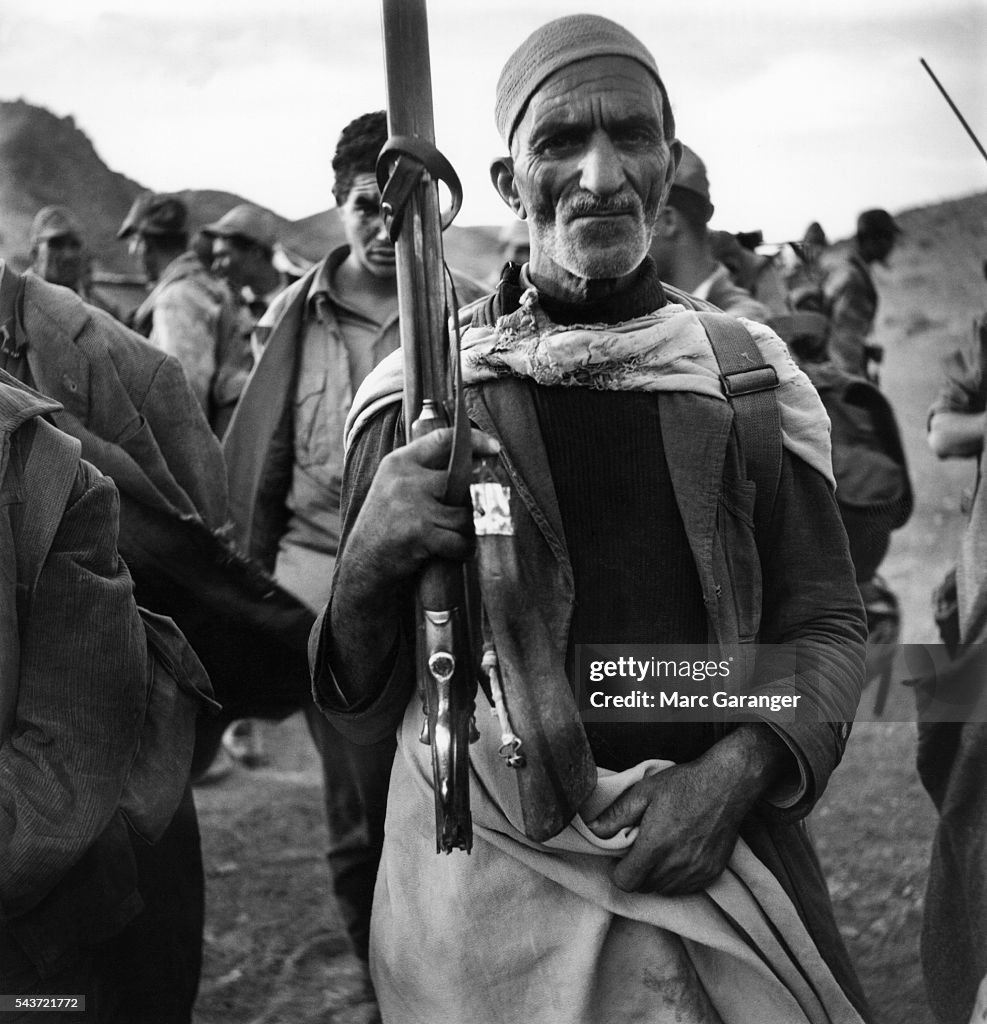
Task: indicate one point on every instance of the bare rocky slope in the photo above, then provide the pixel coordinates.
(46, 159)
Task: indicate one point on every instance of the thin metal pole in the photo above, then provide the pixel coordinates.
(954, 108)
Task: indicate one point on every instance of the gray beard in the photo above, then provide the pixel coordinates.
(595, 263)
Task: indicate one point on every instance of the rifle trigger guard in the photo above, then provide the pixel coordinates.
(400, 166)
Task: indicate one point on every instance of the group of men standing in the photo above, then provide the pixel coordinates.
(680, 883)
(169, 402)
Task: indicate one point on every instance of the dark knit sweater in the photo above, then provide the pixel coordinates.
(635, 579)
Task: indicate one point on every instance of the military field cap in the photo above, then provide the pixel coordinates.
(246, 221)
(691, 176)
(54, 222)
(878, 223)
(155, 213)
(556, 45)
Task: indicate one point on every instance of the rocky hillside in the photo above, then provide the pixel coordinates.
(46, 159)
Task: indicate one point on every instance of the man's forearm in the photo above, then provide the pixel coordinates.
(360, 633)
(752, 760)
(957, 434)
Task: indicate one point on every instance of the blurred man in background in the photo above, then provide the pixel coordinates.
(58, 254)
(56, 247)
(243, 251)
(188, 314)
(243, 245)
(755, 272)
(852, 297)
(682, 249)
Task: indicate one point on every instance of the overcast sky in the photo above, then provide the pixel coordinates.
(802, 109)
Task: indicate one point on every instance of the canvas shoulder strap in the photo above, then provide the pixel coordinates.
(748, 383)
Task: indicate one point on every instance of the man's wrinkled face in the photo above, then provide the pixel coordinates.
(364, 227)
(59, 260)
(592, 168)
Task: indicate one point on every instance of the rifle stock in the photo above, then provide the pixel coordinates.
(410, 201)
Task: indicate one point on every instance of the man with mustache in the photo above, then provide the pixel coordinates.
(635, 521)
(284, 452)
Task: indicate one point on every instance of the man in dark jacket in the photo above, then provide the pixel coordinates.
(633, 520)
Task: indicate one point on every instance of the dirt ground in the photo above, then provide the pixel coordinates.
(275, 952)
(274, 949)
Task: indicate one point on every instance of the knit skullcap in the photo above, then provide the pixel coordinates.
(556, 45)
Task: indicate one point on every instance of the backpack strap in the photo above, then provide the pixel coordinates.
(748, 382)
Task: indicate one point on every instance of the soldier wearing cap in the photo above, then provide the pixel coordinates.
(243, 249)
(56, 247)
(852, 298)
(682, 247)
(58, 254)
(244, 241)
(188, 313)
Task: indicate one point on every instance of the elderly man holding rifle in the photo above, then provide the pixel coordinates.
(646, 476)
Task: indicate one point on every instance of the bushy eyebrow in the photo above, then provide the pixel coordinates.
(560, 123)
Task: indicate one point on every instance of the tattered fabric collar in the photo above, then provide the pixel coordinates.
(667, 350)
